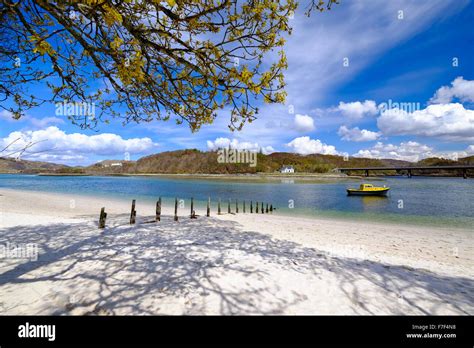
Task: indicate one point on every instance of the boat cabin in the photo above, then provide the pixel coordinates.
(368, 190)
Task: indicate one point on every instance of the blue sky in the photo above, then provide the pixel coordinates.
(344, 66)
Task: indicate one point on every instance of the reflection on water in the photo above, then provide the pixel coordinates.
(373, 201)
(287, 181)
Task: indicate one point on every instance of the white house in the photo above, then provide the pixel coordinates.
(287, 169)
(108, 164)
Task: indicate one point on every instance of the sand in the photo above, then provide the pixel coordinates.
(227, 264)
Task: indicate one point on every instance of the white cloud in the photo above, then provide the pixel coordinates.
(220, 143)
(411, 151)
(306, 146)
(318, 44)
(6, 115)
(54, 144)
(408, 151)
(447, 121)
(460, 89)
(355, 134)
(304, 123)
(34, 121)
(357, 110)
(455, 155)
(315, 51)
(46, 121)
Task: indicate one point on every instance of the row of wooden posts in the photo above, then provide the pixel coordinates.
(133, 213)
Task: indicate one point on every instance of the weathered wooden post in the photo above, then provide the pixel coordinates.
(219, 207)
(208, 213)
(103, 216)
(176, 209)
(271, 208)
(236, 207)
(193, 213)
(266, 209)
(158, 210)
(228, 207)
(244, 206)
(262, 208)
(256, 207)
(133, 213)
(251, 207)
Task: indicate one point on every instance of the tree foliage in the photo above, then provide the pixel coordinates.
(141, 60)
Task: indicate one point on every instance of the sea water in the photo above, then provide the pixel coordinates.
(447, 202)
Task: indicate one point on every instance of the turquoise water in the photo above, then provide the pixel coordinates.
(444, 202)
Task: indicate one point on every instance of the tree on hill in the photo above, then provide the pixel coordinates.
(142, 60)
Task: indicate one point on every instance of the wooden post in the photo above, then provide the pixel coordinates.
(271, 208)
(208, 213)
(193, 213)
(266, 209)
(228, 207)
(158, 210)
(219, 207)
(244, 206)
(133, 213)
(251, 207)
(256, 207)
(262, 208)
(236, 206)
(103, 216)
(176, 209)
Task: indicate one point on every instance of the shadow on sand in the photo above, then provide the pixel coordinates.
(139, 269)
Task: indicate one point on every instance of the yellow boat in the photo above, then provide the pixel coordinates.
(368, 190)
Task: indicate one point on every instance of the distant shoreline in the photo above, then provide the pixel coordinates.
(263, 176)
(63, 174)
(260, 176)
(242, 176)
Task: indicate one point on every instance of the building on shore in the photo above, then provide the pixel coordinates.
(287, 169)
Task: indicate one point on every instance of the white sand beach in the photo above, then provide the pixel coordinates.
(227, 264)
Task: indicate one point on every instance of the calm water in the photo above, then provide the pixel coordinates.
(417, 200)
